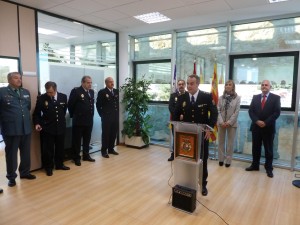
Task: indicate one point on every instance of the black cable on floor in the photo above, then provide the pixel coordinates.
(213, 212)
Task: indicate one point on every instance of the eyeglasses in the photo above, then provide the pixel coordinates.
(264, 85)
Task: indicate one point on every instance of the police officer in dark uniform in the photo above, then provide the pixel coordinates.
(198, 107)
(16, 127)
(49, 119)
(81, 109)
(172, 103)
(108, 109)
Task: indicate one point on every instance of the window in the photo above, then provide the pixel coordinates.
(249, 70)
(159, 72)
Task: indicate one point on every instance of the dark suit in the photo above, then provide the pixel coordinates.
(203, 111)
(108, 109)
(16, 129)
(265, 135)
(50, 115)
(81, 109)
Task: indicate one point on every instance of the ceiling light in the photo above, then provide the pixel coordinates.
(46, 31)
(275, 1)
(154, 17)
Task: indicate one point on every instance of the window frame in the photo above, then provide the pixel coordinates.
(294, 54)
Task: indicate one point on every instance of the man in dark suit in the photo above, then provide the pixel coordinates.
(263, 111)
(197, 106)
(172, 104)
(15, 123)
(81, 109)
(49, 119)
(108, 109)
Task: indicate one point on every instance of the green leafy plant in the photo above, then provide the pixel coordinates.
(136, 100)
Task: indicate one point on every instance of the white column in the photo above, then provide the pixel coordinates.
(123, 73)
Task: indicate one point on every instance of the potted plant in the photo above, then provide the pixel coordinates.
(136, 125)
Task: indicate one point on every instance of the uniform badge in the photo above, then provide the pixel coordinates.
(107, 96)
(82, 95)
(213, 102)
(184, 104)
(175, 99)
(46, 103)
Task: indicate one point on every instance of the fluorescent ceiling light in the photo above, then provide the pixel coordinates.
(154, 17)
(46, 31)
(275, 1)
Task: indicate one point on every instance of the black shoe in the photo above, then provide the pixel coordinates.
(1, 190)
(227, 165)
(221, 163)
(28, 177)
(63, 167)
(88, 158)
(49, 172)
(77, 162)
(171, 157)
(11, 183)
(251, 168)
(204, 191)
(113, 152)
(105, 155)
(270, 173)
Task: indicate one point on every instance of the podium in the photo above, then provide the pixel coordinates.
(188, 165)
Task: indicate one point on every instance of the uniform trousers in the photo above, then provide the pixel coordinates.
(226, 137)
(53, 150)
(78, 133)
(109, 134)
(12, 144)
(204, 157)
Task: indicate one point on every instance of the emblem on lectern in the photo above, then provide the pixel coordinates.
(186, 146)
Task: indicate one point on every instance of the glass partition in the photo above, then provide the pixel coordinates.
(68, 50)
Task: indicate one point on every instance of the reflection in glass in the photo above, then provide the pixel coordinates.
(7, 65)
(249, 71)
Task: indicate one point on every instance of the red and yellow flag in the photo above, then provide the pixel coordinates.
(215, 96)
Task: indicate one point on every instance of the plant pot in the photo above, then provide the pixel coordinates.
(135, 142)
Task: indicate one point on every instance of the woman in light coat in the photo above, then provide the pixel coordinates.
(228, 107)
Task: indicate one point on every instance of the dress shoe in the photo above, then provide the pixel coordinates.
(270, 173)
(105, 155)
(63, 167)
(221, 163)
(113, 152)
(88, 158)
(11, 183)
(28, 177)
(251, 168)
(49, 172)
(1, 190)
(77, 162)
(171, 157)
(227, 165)
(204, 191)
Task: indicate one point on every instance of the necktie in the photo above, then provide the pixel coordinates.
(112, 92)
(193, 100)
(263, 101)
(88, 93)
(17, 91)
(53, 99)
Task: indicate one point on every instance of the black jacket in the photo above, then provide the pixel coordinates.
(51, 114)
(81, 106)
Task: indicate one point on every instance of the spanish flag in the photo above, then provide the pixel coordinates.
(215, 96)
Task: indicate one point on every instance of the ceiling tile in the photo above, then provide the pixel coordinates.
(110, 15)
(86, 6)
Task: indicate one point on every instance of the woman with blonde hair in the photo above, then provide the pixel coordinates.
(228, 108)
